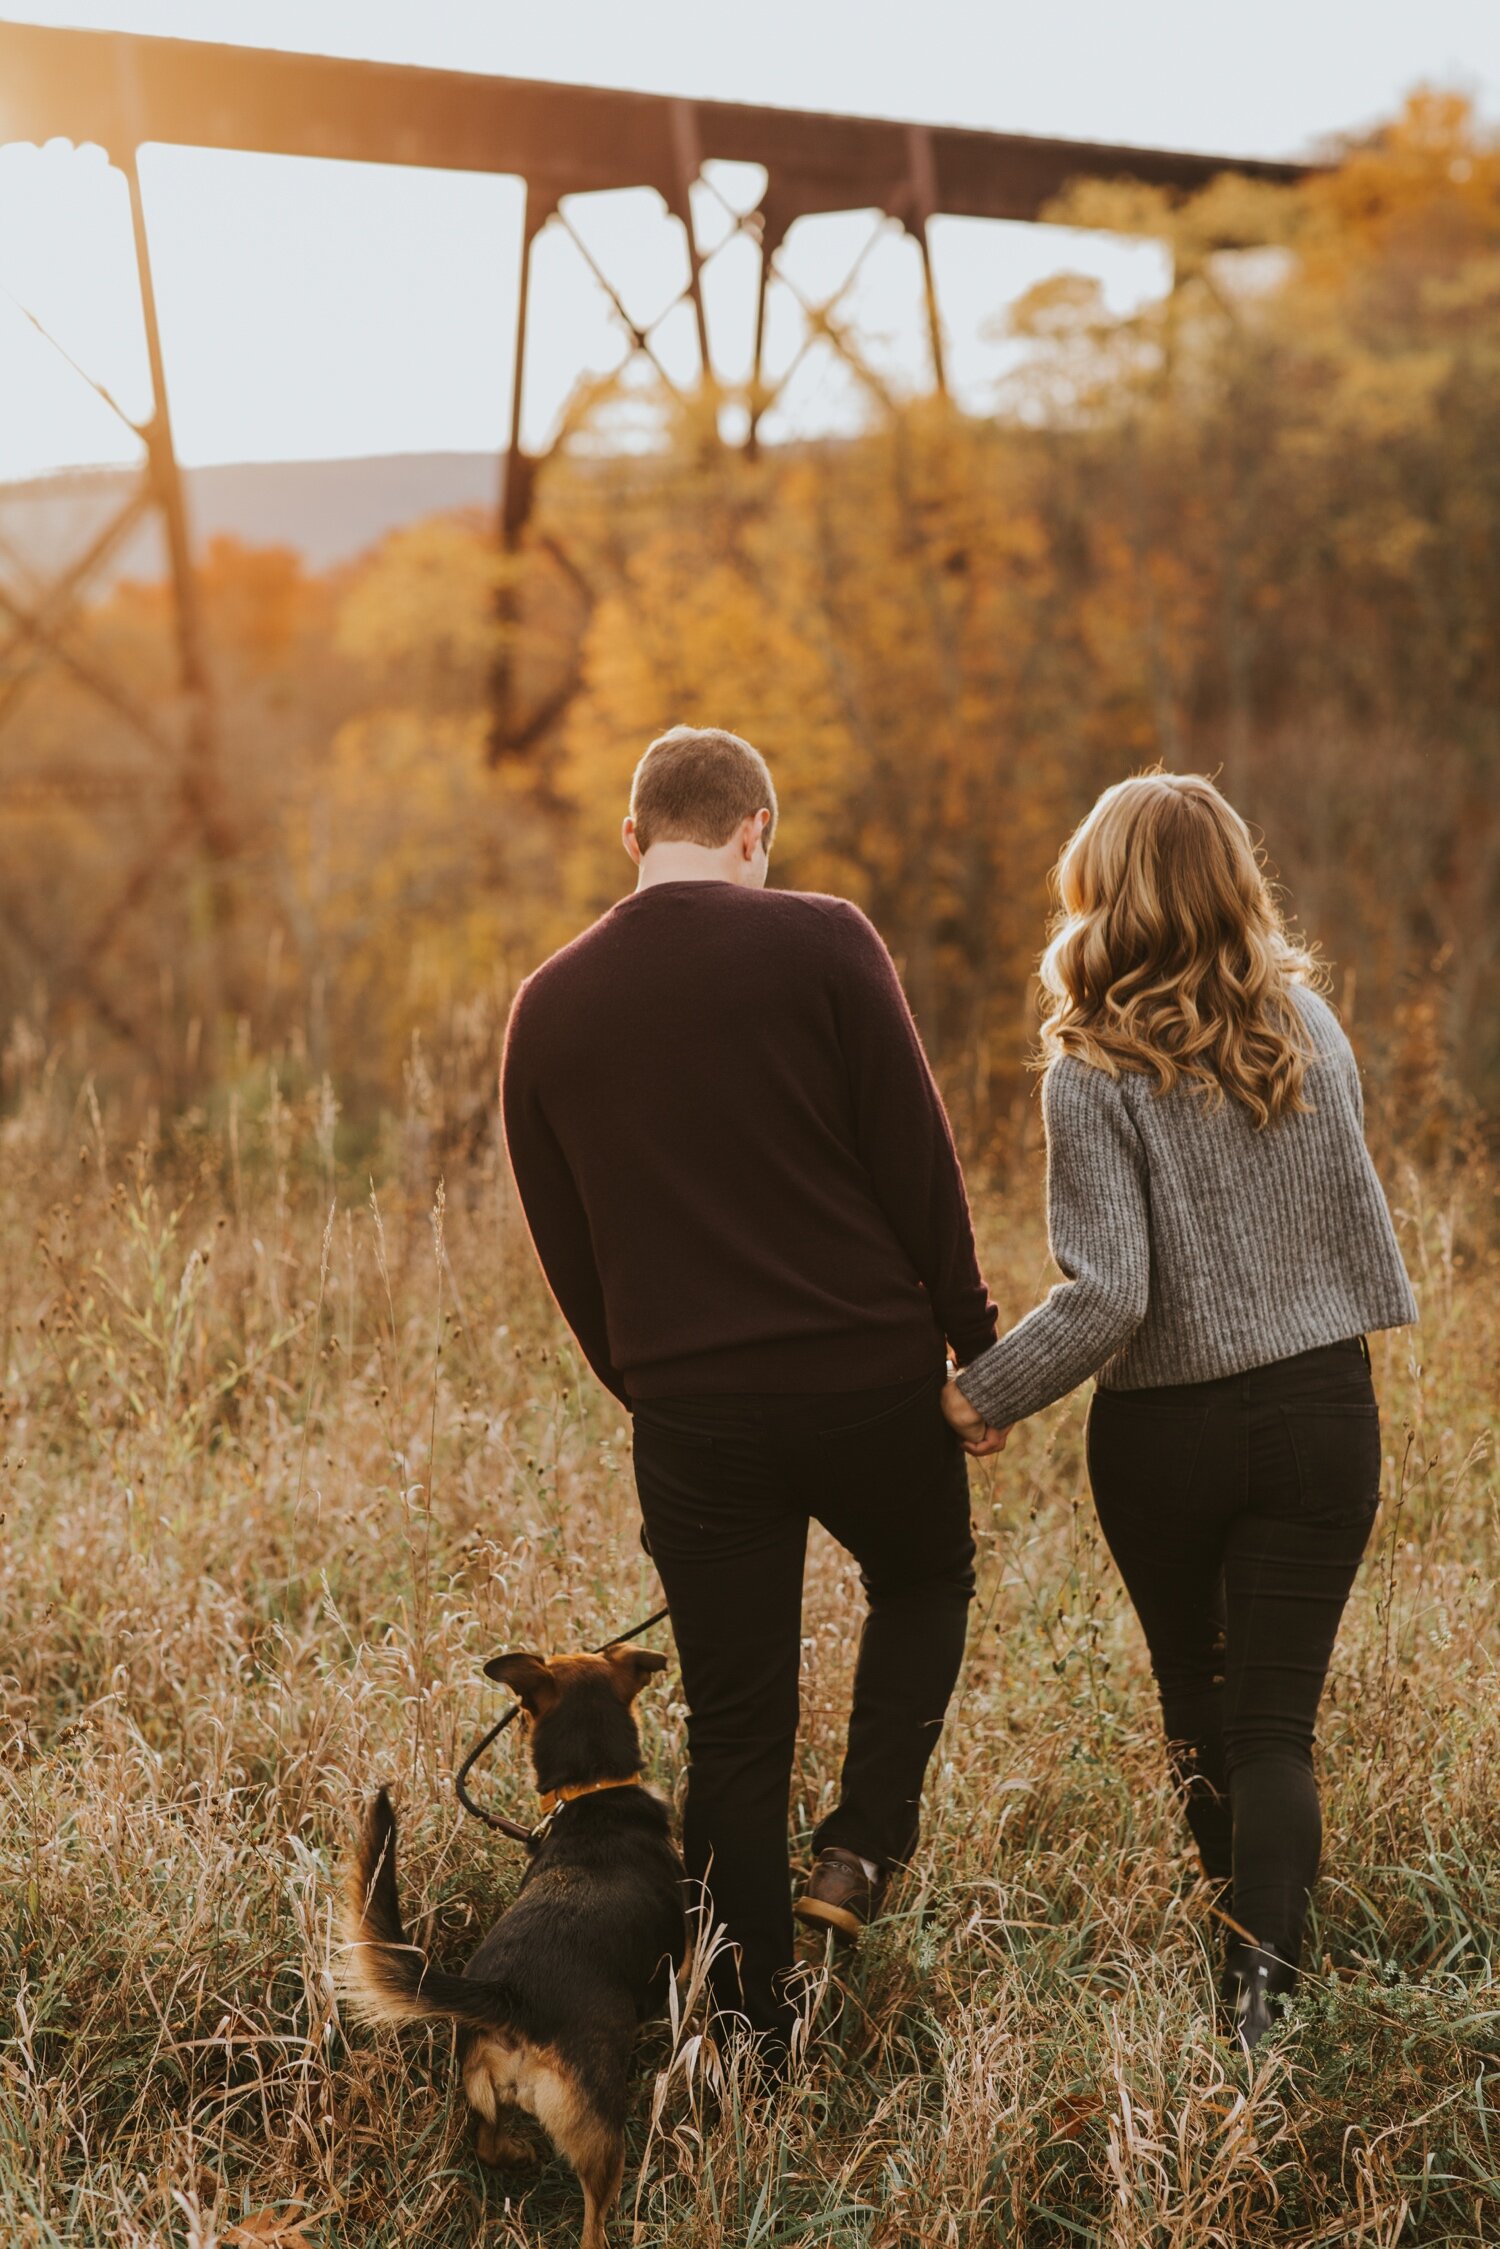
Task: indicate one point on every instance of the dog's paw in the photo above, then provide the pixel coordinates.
(506, 2147)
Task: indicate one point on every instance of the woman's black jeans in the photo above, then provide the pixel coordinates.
(1237, 1512)
(727, 1487)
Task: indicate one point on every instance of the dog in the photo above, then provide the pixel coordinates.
(548, 2008)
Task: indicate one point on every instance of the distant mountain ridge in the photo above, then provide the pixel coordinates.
(328, 510)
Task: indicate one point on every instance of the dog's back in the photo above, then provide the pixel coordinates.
(600, 1911)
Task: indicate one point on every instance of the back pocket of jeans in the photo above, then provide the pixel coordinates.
(662, 1429)
(1142, 1449)
(917, 1406)
(1337, 1449)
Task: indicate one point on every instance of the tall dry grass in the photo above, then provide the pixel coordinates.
(286, 1456)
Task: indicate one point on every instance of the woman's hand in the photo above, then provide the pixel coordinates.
(971, 1428)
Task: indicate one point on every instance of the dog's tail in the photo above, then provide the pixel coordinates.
(384, 1976)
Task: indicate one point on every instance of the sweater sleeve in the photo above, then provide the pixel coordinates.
(1097, 1223)
(553, 1208)
(904, 1140)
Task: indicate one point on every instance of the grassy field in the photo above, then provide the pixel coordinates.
(286, 1459)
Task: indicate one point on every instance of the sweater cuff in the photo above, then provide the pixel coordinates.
(1000, 1388)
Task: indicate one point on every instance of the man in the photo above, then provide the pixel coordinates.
(743, 1191)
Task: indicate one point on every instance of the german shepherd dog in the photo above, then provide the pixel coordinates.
(548, 2008)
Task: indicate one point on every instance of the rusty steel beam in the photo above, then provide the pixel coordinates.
(125, 89)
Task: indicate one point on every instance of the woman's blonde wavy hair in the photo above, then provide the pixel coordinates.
(1169, 954)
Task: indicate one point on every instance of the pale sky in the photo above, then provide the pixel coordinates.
(315, 309)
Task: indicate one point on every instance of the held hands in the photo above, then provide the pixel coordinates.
(976, 1435)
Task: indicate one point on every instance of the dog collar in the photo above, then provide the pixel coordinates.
(553, 1799)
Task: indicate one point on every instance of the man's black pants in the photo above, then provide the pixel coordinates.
(728, 1486)
(1237, 1512)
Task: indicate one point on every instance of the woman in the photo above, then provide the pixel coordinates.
(1227, 1247)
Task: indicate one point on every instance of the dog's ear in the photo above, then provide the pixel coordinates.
(632, 1667)
(526, 1676)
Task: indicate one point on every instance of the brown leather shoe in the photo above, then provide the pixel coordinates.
(839, 1894)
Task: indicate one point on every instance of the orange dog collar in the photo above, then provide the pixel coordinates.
(554, 1797)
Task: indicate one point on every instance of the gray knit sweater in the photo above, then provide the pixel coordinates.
(1194, 1245)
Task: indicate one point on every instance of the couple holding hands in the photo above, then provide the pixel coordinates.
(743, 1191)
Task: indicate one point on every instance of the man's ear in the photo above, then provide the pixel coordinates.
(631, 840)
(632, 1667)
(526, 1676)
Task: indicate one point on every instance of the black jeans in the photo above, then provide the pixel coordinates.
(728, 1486)
(1237, 1512)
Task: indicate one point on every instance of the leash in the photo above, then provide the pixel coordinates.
(497, 1820)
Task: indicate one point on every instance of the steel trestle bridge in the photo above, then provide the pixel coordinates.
(125, 92)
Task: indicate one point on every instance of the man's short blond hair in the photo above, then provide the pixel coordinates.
(696, 784)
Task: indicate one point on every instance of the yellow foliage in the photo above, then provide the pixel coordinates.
(426, 598)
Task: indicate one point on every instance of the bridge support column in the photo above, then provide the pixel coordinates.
(688, 152)
(921, 209)
(515, 502)
(772, 234)
(200, 778)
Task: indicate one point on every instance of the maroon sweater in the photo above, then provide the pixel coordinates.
(733, 1160)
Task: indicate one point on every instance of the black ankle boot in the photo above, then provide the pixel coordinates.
(1254, 1989)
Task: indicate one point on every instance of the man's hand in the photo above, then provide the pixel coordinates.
(976, 1435)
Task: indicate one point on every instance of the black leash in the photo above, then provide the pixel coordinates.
(497, 1820)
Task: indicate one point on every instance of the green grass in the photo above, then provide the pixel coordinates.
(277, 1480)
